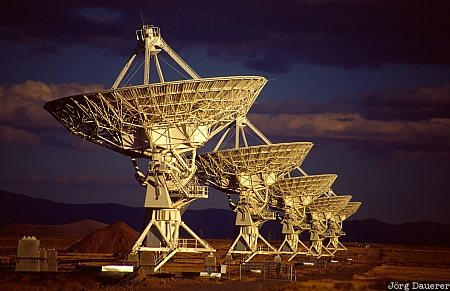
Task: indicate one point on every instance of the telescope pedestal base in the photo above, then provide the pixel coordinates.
(292, 245)
(335, 245)
(318, 250)
(248, 243)
(162, 233)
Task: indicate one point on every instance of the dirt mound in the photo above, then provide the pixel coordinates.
(75, 229)
(115, 239)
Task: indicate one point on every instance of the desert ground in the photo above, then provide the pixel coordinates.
(362, 267)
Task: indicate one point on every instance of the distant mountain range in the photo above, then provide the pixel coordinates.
(77, 229)
(208, 223)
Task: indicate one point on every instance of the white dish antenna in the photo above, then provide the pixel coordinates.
(249, 172)
(164, 123)
(292, 196)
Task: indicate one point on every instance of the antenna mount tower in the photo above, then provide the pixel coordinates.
(164, 124)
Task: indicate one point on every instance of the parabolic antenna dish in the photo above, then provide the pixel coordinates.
(329, 205)
(232, 169)
(299, 191)
(349, 210)
(180, 114)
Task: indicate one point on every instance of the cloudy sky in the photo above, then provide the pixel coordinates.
(367, 81)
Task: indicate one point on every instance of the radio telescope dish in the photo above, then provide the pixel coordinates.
(335, 227)
(321, 211)
(235, 170)
(292, 196)
(349, 209)
(249, 172)
(300, 191)
(164, 123)
(326, 207)
(179, 114)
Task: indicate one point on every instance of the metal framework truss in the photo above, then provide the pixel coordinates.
(321, 211)
(292, 196)
(249, 172)
(164, 123)
(180, 114)
(291, 241)
(162, 238)
(335, 226)
(238, 169)
(349, 209)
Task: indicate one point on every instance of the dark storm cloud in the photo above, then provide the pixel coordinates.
(268, 63)
(404, 123)
(266, 35)
(305, 106)
(408, 104)
(40, 52)
(23, 120)
(50, 24)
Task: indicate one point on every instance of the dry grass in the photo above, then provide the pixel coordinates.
(367, 269)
